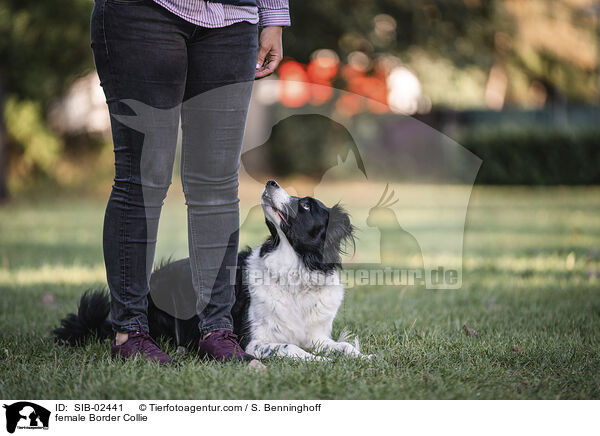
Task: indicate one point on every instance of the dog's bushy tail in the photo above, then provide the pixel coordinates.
(90, 322)
(347, 336)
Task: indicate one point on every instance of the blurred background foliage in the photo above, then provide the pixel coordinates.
(512, 80)
(44, 46)
(550, 45)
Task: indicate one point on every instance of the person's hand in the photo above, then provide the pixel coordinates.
(270, 51)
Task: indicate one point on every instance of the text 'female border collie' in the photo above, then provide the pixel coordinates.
(287, 290)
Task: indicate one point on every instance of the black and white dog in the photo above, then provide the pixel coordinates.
(288, 290)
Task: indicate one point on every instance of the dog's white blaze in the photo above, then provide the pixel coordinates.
(280, 199)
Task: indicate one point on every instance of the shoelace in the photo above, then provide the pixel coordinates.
(147, 344)
(231, 337)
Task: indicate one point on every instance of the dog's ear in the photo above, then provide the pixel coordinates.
(340, 232)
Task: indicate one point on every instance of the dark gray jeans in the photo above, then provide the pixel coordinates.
(155, 68)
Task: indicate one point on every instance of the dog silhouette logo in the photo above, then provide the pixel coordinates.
(26, 415)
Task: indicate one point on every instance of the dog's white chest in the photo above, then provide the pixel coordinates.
(288, 305)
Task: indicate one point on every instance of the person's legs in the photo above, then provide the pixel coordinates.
(141, 57)
(221, 67)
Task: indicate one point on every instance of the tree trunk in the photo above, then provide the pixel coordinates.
(3, 148)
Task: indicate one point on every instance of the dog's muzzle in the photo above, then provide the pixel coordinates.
(274, 202)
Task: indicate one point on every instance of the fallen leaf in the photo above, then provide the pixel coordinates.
(48, 299)
(257, 365)
(469, 332)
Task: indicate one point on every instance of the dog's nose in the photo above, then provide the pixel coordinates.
(272, 184)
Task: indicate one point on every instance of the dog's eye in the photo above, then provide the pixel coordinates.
(305, 205)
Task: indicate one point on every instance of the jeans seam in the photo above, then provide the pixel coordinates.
(193, 264)
(104, 34)
(123, 249)
(123, 236)
(127, 283)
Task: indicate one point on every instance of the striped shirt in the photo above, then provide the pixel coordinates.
(211, 14)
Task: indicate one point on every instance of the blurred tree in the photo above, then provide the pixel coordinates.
(553, 47)
(461, 30)
(465, 53)
(533, 52)
(44, 45)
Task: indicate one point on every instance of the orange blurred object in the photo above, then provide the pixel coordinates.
(370, 87)
(322, 70)
(294, 91)
(320, 93)
(349, 104)
(348, 72)
(312, 84)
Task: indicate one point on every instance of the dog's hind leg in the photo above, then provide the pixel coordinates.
(262, 350)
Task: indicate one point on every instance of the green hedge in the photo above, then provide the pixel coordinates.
(535, 155)
(518, 152)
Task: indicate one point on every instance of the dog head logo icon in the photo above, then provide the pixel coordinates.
(26, 415)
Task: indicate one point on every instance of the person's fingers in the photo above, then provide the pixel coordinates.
(274, 63)
(269, 68)
(264, 71)
(263, 51)
(261, 74)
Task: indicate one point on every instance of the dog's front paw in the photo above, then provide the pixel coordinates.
(314, 358)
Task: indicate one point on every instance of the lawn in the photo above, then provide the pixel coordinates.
(531, 289)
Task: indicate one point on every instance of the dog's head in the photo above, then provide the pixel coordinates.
(317, 233)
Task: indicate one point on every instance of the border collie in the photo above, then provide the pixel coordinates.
(287, 290)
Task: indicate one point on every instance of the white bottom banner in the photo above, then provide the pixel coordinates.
(217, 417)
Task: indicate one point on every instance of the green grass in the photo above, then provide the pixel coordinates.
(531, 288)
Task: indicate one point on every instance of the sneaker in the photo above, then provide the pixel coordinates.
(141, 344)
(222, 345)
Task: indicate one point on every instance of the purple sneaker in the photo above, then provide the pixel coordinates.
(141, 344)
(222, 345)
